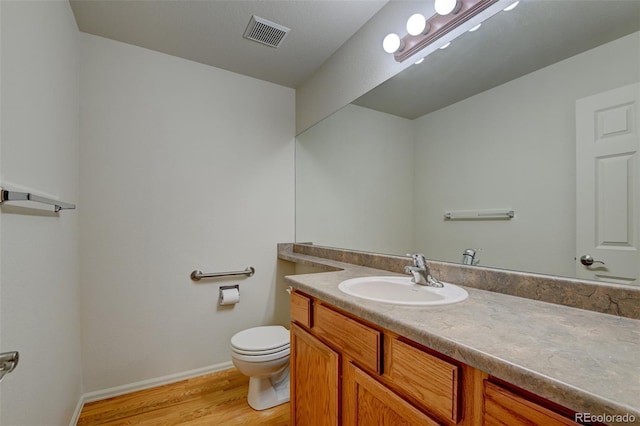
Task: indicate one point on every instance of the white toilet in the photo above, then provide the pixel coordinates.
(262, 353)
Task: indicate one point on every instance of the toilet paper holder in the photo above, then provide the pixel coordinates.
(226, 287)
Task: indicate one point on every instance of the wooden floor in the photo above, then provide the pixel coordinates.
(215, 399)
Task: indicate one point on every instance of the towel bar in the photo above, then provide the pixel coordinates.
(479, 214)
(6, 195)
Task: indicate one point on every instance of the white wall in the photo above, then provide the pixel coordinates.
(505, 147)
(39, 281)
(183, 167)
(354, 188)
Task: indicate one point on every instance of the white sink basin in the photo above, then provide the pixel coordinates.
(401, 291)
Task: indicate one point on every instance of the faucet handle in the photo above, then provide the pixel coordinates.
(418, 259)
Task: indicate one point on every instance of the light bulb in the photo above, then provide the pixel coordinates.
(445, 7)
(391, 43)
(416, 24)
(474, 28)
(511, 6)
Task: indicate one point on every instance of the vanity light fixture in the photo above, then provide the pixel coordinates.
(422, 31)
(475, 28)
(445, 46)
(419, 61)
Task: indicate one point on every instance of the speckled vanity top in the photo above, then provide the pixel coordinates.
(584, 360)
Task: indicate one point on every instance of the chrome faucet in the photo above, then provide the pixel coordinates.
(469, 257)
(421, 272)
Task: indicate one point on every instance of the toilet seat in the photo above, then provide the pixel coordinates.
(259, 341)
(261, 357)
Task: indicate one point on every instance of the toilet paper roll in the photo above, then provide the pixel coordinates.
(229, 296)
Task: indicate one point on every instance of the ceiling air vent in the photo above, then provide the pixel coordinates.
(265, 32)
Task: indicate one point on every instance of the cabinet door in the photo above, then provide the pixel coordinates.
(368, 402)
(315, 381)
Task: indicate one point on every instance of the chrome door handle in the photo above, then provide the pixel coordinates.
(8, 363)
(587, 260)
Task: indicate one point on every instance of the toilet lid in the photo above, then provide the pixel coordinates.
(260, 339)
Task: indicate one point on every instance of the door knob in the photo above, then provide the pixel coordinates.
(587, 260)
(8, 363)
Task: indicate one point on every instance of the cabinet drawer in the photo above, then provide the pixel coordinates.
(360, 342)
(504, 407)
(431, 381)
(301, 309)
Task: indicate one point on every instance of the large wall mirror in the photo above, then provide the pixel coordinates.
(492, 123)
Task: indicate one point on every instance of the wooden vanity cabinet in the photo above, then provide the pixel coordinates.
(346, 371)
(338, 375)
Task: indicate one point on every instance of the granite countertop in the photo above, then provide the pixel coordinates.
(584, 360)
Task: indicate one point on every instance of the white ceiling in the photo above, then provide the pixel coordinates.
(211, 31)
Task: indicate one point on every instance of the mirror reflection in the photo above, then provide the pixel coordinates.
(502, 120)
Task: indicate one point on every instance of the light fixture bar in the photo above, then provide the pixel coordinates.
(440, 25)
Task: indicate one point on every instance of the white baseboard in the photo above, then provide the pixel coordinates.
(145, 384)
(76, 412)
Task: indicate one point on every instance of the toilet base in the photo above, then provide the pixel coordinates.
(267, 392)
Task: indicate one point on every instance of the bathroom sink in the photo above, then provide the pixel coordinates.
(401, 291)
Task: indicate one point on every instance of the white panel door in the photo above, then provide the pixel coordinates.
(608, 186)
